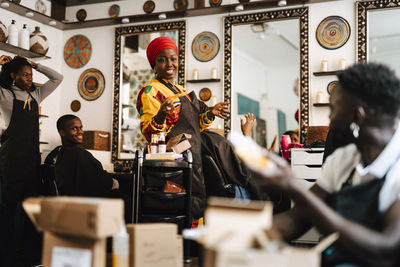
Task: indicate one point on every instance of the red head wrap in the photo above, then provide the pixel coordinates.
(156, 46)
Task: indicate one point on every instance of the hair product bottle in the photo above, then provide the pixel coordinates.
(13, 34)
(23, 41)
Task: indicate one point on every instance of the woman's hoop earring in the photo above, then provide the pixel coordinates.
(355, 129)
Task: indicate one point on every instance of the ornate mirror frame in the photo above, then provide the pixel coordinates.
(362, 22)
(180, 26)
(302, 15)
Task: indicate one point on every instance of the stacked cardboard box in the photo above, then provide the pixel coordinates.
(241, 234)
(75, 229)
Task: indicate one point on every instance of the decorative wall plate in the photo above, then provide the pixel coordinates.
(205, 46)
(331, 86)
(77, 51)
(149, 6)
(81, 15)
(333, 32)
(180, 4)
(40, 6)
(113, 11)
(205, 94)
(75, 106)
(215, 2)
(91, 84)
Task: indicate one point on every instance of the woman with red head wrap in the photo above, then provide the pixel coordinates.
(160, 111)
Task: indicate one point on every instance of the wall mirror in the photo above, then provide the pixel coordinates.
(266, 71)
(378, 33)
(131, 72)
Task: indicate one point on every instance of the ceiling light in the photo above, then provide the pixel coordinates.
(52, 22)
(162, 16)
(4, 4)
(125, 20)
(282, 3)
(29, 14)
(239, 8)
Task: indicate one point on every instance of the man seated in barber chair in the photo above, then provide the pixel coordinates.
(77, 172)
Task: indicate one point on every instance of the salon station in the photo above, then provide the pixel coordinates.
(207, 122)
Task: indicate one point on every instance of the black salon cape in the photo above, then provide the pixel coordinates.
(231, 167)
(78, 173)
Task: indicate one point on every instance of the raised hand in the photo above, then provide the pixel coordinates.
(221, 110)
(5, 59)
(247, 125)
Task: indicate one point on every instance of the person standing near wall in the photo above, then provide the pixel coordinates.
(20, 156)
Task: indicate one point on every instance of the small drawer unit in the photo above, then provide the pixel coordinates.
(307, 162)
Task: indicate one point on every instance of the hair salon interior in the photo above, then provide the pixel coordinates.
(277, 60)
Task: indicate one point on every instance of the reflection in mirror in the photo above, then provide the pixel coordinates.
(266, 71)
(132, 72)
(267, 54)
(378, 37)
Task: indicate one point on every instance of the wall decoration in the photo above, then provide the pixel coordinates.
(331, 86)
(180, 4)
(38, 43)
(215, 2)
(91, 84)
(40, 6)
(75, 105)
(77, 51)
(333, 32)
(149, 6)
(144, 40)
(113, 11)
(3, 33)
(205, 46)
(81, 15)
(205, 94)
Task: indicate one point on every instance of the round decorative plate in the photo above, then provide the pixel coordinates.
(205, 46)
(180, 4)
(205, 94)
(331, 86)
(149, 6)
(75, 106)
(81, 15)
(215, 2)
(91, 84)
(40, 6)
(77, 51)
(333, 32)
(113, 11)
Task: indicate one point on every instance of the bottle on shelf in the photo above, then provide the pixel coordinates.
(120, 248)
(162, 146)
(24, 36)
(154, 144)
(13, 34)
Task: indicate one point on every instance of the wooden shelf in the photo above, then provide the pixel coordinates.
(204, 81)
(126, 129)
(43, 116)
(127, 106)
(43, 143)
(21, 52)
(321, 104)
(325, 73)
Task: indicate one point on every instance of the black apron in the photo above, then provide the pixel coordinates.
(19, 152)
(359, 204)
(188, 122)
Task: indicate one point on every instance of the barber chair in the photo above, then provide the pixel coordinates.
(215, 182)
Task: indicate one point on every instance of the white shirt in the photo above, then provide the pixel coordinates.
(339, 165)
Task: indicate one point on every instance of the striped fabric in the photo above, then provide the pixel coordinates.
(148, 103)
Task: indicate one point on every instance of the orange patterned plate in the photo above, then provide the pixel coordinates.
(77, 51)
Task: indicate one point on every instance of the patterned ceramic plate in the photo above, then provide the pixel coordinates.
(149, 6)
(91, 84)
(205, 94)
(180, 4)
(205, 46)
(77, 51)
(215, 2)
(331, 86)
(75, 106)
(81, 15)
(333, 32)
(113, 11)
(40, 6)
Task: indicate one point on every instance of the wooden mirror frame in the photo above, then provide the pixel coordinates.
(299, 13)
(362, 20)
(179, 26)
